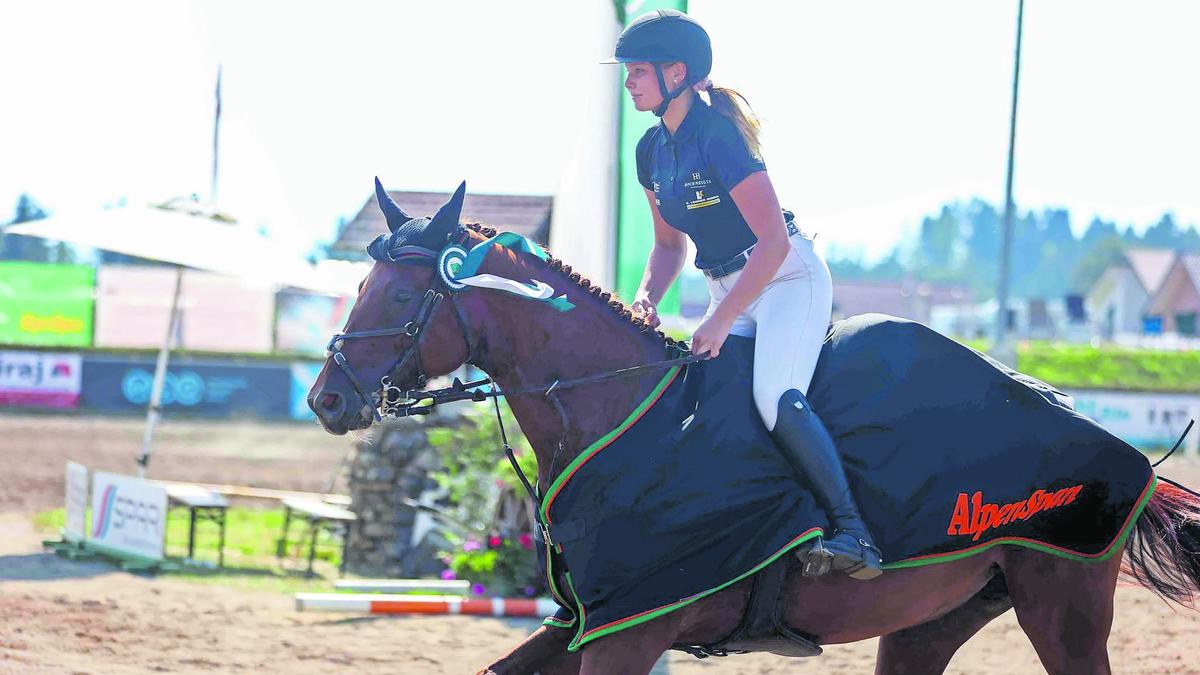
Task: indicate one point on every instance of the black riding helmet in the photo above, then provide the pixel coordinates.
(666, 36)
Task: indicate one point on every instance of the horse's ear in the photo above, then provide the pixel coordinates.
(446, 219)
(391, 210)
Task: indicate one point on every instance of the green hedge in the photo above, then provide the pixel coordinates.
(1085, 367)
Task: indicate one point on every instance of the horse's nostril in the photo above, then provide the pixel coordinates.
(328, 401)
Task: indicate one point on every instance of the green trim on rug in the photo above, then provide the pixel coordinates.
(558, 596)
(580, 614)
(583, 638)
(605, 440)
(1113, 547)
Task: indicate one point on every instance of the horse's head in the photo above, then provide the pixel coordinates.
(403, 327)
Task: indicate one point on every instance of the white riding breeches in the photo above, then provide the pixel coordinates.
(787, 320)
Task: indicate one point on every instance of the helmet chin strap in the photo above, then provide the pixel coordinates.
(667, 95)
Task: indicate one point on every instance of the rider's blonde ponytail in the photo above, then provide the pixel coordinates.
(733, 105)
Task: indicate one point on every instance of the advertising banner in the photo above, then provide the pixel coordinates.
(39, 379)
(1146, 420)
(303, 376)
(75, 527)
(304, 322)
(44, 304)
(217, 313)
(129, 515)
(121, 384)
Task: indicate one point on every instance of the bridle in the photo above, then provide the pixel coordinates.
(390, 396)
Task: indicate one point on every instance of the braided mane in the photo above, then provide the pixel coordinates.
(614, 304)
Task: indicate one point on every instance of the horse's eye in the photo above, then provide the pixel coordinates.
(404, 296)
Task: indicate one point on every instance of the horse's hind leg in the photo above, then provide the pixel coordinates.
(1065, 608)
(926, 649)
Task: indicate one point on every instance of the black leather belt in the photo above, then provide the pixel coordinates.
(737, 262)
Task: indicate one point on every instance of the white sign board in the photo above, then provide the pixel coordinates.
(75, 528)
(1149, 421)
(129, 515)
(40, 379)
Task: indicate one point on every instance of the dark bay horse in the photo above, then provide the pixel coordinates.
(922, 614)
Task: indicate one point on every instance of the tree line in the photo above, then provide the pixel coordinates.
(16, 247)
(961, 246)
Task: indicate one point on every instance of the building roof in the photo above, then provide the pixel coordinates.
(1150, 266)
(1191, 263)
(1162, 300)
(527, 215)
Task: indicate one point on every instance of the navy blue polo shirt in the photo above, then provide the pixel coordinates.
(691, 173)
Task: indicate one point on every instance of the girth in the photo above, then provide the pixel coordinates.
(762, 628)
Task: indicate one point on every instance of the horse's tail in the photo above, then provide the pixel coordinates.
(1163, 553)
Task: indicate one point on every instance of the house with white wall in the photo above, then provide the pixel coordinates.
(1116, 303)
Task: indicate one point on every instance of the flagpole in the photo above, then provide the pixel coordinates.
(212, 194)
(1002, 350)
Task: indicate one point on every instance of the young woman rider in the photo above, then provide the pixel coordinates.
(704, 178)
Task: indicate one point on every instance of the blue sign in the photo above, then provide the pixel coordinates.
(303, 377)
(214, 388)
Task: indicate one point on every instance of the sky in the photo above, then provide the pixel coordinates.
(876, 113)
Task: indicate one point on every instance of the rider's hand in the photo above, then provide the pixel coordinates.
(644, 308)
(709, 336)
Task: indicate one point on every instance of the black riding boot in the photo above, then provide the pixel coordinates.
(805, 442)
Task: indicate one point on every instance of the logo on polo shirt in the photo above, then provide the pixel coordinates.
(697, 181)
(701, 201)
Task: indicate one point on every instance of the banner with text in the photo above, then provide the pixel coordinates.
(218, 313)
(122, 384)
(304, 322)
(39, 379)
(46, 305)
(304, 374)
(129, 515)
(1146, 420)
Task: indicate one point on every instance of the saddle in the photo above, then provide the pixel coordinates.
(762, 628)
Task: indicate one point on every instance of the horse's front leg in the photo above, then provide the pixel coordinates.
(545, 652)
(633, 651)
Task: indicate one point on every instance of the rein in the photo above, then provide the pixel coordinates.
(467, 391)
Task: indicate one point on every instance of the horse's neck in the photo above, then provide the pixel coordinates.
(529, 344)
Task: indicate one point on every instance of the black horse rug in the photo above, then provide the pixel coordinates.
(947, 451)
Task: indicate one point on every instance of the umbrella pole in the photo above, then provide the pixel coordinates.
(154, 410)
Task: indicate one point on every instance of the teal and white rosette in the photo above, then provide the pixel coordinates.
(449, 265)
(459, 269)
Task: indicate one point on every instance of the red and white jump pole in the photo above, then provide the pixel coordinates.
(424, 604)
